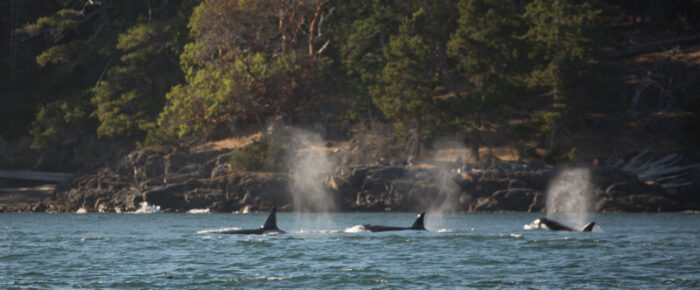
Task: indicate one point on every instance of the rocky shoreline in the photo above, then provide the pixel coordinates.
(181, 182)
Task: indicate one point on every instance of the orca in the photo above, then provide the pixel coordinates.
(548, 224)
(269, 227)
(417, 225)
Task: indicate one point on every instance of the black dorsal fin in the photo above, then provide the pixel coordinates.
(271, 222)
(418, 223)
(588, 227)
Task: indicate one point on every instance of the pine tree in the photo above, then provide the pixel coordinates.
(487, 54)
(562, 39)
(408, 81)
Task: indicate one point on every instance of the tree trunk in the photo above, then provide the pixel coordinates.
(476, 140)
(444, 67)
(104, 17)
(163, 9)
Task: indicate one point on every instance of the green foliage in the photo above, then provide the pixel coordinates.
(60, 54)
(553, 157)
(131, 96)
(407, 87)
(538, 127)
(239, 69)
(463, 66)
(244, 89)
(259, 155)
(359, 31)
(359, 52)
(55, 25)
(487, 54)
(562, 38)
(58, 120)
(72, 47)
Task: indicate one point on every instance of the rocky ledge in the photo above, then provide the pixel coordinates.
(180, 182)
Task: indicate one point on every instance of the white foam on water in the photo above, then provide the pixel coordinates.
(443, 230)
(198, 211)
(244, 210)
(273, 278)
(356, 229)
(517, 236)
(535, 225)
(147, 208)
(214, 231)
(323, 231)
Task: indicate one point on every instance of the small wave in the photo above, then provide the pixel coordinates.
(273, 278)
(445, 231)
(305, 231)
(383, 281)
(492, 283)
(356, 229)
(198, 210)
(91, 239)
(515, 236)
(147, 208)
(534, 225)
(682, 281)
(244, 210)
(214, 231)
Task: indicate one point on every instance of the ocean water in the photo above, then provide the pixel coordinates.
(165, 250)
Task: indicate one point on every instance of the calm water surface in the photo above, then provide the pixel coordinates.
(461, 251)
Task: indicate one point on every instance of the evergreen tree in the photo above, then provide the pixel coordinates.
(358, 32)
(79, 47)
(106, 66)
(487, 57)
(407, 85)
(561, 38)
(132, 94)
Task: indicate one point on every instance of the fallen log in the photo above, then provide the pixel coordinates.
(35, 175)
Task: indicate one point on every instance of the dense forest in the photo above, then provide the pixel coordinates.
(173, 73)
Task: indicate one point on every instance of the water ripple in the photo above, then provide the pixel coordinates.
(171, 251)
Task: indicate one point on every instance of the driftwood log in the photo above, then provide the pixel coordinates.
(663, 171)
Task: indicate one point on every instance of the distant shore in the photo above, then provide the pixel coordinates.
(178, 183)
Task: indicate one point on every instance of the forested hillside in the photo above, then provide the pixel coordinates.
(557, 80)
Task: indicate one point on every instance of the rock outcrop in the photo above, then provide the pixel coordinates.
(180, 182)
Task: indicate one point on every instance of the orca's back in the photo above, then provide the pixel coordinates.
(588, 227)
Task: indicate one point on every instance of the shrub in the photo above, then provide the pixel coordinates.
(260, 155)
